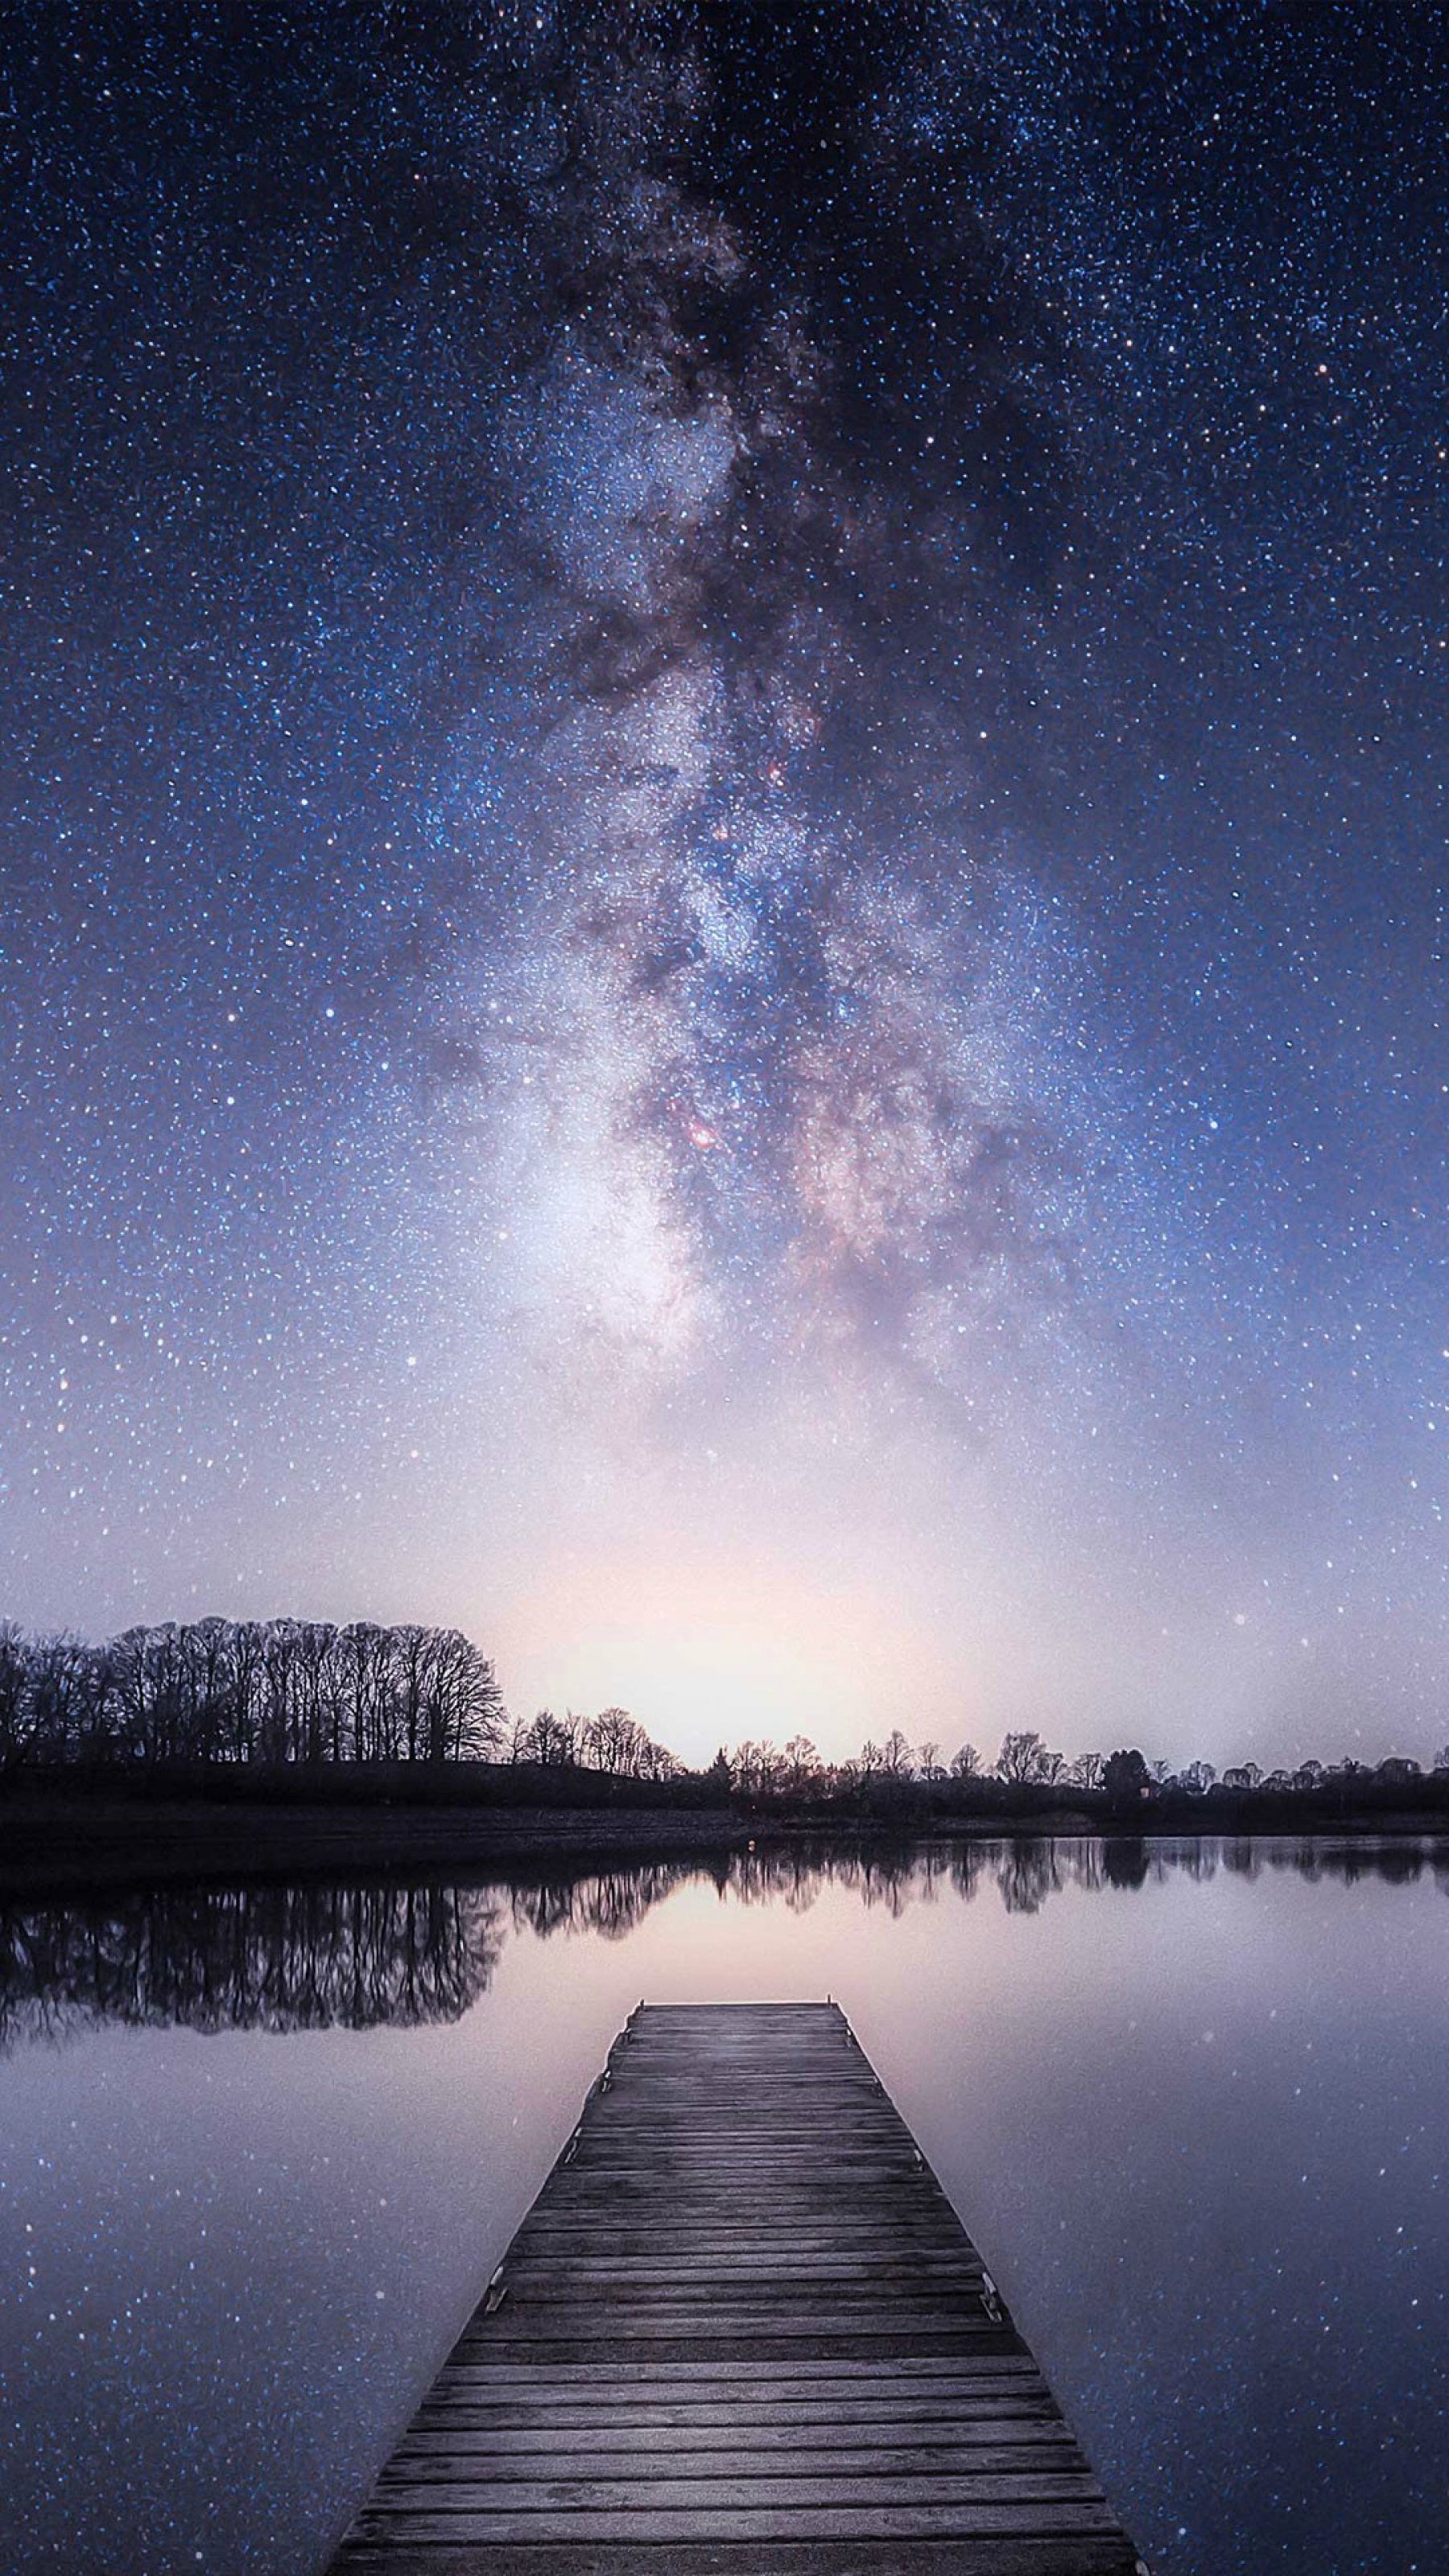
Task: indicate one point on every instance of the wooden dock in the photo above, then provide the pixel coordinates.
(741, 2331)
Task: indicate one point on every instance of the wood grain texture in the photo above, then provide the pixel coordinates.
(741, 2332)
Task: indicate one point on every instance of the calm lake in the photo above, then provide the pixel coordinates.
(261, 2147)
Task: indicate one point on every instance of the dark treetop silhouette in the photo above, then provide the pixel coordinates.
(298, 1706)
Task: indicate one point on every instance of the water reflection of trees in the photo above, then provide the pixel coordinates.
(338, 1954)
(249, 1958)
(1025, 1871)
(610, 1902)
(321, 1955)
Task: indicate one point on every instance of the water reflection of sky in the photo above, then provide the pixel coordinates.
(261, 2148)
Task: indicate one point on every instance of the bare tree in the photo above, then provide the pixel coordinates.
(758, 1768)
(129, 1656)
(609, 1738)
(658, 1763)
(1021, 1757)
(57, 1694)
(802, 1767)
(365, 1652)
(550, 1740)
(462, 1714)
(14, 1693)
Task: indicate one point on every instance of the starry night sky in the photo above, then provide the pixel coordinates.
(722, 880)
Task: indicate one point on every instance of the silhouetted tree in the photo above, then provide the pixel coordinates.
(287, 1690)
(609, 1739)
(802, 1768)
(758, 1768)
(1125, 1775)
(1020, 1757)
(61, 1696)
(14, 1692)
(550, 1740)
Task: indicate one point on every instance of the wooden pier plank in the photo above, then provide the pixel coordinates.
(741, 2332)
(596, 2454)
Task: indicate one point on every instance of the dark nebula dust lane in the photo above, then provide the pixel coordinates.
(724, 804)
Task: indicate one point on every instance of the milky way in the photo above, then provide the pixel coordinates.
(723, 883)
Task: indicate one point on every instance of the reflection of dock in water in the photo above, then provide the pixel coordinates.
(742, 2331)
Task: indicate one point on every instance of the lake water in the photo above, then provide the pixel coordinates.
(260, 2148)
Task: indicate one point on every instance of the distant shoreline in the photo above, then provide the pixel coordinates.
(94, 1840)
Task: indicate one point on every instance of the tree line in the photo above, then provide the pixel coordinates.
(288, 1691)
(1026, 1768)
(613, 1741)
(243, 1695)
(248, 1690)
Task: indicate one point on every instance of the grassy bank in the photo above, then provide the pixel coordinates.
(85, 1830)
(85, 1842)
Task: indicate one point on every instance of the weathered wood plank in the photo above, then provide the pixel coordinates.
(633, 2525)
(640, 2320)
(450, 2459)
(752, 2397)
(923, 2366)
(1080, 2555)
(1040, 2498)
(750, 2354)
(695, 2442)
(741, 2332)
(718, 2423)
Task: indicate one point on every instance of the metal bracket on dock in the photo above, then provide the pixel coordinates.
(991, 2300)
(495, 2294)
